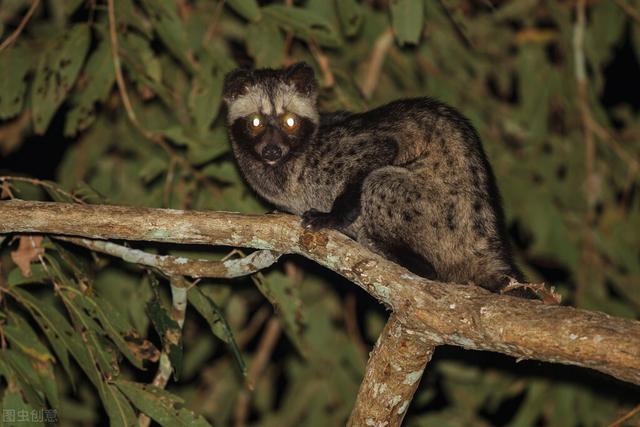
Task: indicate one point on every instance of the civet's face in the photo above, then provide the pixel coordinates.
(271, 113)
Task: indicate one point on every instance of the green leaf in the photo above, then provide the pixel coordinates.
(351, 16)
(248, 9)
(204, 99)
(15, 411)
(169, 27)
(15, 63)
(22, 337)
(63, 338)
(304, 24)
(210, 311)
(113, 322)
(284, 295)
(265, 44)
(38, 275)
(225, 171)
(51, 322)
(118, 407)
(168, 329)
(407, 17)
(217, 322)
(140, 59)
(93, 88)
(217, 145)
(160, 405)
(57, 72)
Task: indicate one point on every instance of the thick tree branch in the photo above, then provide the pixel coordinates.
(392, 376)
(465, 316)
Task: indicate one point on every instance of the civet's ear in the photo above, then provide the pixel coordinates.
(303, 78)
(235, 84)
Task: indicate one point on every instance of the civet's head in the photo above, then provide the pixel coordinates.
(271, 113)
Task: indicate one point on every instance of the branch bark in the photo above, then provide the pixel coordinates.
(437, 313)
(392, 376)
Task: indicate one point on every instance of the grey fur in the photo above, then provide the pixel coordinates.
(409, 179)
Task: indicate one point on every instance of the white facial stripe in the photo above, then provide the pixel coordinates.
(302, 107)
(286, 99)
(255, 101)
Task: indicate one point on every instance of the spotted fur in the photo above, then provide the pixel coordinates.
(410, 179)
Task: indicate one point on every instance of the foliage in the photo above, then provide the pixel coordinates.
(76, 327)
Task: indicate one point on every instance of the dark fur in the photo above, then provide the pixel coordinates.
(410, 180)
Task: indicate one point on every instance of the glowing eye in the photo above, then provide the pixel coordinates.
(256, 122)
(290, 121)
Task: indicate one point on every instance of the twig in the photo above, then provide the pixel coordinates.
(632, 413)
(629, 10)
(172, 265)
(213, 25)
(44, 184)
(589, 255)
(257, 320)
(323, 62)
(168, 180)
(261, 357)
(583, 101)
(374, 66)
(23, 23)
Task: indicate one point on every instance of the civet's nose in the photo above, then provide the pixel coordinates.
(271, 152)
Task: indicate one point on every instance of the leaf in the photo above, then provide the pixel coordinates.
(281, 292)
(204, 99)
(95, 347)
(217, 322)
(15, 411)
(140, 59)
(168, 329)
(209, 311)
(160, 405)
(303, 24)
(94, 86)
(118, 407)
(407, 17)
(224, 171)
(38, 275)
(29, 250)
(22, 337)
(57, 71)
(169, 27)
(35, 375)
(265, 44)
(218, 144)
(351, 16)
(115, 326)
(248, 9)
(15, 64)
(61, 335)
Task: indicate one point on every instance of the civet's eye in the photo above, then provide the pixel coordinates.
(256, 121)
(290, 121)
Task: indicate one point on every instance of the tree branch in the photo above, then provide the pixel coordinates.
(392, 376)
(173, 265)
(435, 313)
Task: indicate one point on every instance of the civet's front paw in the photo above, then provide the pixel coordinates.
(315, 220)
